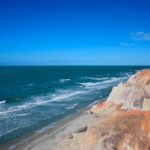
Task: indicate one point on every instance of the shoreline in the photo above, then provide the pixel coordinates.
(103, 124)
(20, 143)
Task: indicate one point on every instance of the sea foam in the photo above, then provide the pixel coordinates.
(2, 102)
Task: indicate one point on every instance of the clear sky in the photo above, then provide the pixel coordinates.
(74, 32)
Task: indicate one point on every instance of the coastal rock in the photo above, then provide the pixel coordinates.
(129, 130)
(98, 108)
(131, 95)
(128, 125)
(81, 129)
(103, 106)
(140, 78)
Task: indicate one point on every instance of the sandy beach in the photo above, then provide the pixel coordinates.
(76, 123)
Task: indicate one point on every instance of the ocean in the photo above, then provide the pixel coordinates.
(32, 98)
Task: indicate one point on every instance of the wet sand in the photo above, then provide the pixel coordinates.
(47, 139)
(33, 137)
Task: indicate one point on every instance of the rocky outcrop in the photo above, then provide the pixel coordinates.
(123, 121)
(125, 131)
(132, 94)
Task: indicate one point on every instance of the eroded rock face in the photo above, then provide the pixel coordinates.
(132, 94)
(141, 78)
(128, 125)
(103, 106)
(129, 130)
(146, 104)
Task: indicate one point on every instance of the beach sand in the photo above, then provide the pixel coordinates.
(51, 137)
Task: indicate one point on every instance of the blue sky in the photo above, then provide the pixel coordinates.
(74, 32)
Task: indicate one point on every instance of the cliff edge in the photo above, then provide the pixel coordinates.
(122, 122)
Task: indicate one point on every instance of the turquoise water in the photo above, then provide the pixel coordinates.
(34, 97)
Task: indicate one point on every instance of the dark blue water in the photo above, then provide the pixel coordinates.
(33, 97)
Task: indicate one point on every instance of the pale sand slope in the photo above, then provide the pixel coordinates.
(66, 130)
(120, 123)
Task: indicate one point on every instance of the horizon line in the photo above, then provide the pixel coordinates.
(72, 65)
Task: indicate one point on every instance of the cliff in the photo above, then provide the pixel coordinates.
(121, 123)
